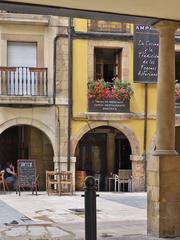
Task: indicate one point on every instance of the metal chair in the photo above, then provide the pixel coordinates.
(97, 177)
(2, 182)
(125, 177)
(111, 179)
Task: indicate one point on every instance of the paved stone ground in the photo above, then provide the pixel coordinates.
(9, 215)
(120, 216)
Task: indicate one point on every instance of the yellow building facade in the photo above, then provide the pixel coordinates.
(130, 124)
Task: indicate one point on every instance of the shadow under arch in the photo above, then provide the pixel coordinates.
(134, 143)
(33, 123)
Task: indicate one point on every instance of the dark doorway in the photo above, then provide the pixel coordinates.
(123, 152)
(103, 151)
(27, 142)
(9, 146)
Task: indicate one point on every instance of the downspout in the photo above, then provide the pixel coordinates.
(70, 69)
(54, 60)
(54, 87)
(145, 132)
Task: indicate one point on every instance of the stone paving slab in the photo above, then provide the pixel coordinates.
(34, 232)
(9, 215)
(120, 217)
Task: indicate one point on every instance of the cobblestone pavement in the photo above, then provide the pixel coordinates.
(29, 217)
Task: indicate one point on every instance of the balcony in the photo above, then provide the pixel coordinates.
(27, 85)
(107, 26)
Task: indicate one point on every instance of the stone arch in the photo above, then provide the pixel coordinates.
(134, 142)
(31, 122)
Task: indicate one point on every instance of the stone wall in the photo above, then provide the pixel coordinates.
(138, 173)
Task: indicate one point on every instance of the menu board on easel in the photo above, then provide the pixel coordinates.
(26, 170)
(146, 54)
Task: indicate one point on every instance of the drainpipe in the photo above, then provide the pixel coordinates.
(54, 65)
(70, 37)
(54, 86)
(70, 69)
(145, 131)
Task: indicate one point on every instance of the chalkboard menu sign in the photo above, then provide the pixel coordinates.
(26, 173)
(146, 50)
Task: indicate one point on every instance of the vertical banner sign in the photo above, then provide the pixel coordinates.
(146, 50)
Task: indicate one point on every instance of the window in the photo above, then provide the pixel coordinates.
(22, 56)
(177, 64)
(108, 26)
(107, 64)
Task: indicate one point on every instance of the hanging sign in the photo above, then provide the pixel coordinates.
(146, 50)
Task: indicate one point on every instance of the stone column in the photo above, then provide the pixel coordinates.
(138, 174)
(163, 169)
(165, 139)
(110, 152)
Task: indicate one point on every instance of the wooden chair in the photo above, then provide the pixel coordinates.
(35, 185)
(2, 182)
(66, 183)
(125, 177)
(53, 186)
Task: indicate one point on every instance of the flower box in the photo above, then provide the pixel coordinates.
(109, 97)
(108, 105)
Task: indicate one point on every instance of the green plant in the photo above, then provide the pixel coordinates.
(122, 90)
(177, 89)
(98, 89)
(101, 90)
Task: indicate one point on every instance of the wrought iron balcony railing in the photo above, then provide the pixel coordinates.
(107, 26)
(23, 81)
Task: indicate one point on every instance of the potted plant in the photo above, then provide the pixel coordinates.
(122, 90)
(98, 89)
(101, 90)
(177, 91)
(109, 97)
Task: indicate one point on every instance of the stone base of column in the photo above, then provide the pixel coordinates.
(138, 175)
(163, 187)
(165, 152)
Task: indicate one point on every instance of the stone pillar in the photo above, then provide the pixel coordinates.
(110, 152)
(165, 139)
(163, 187)
(138, 174)
(163, 169)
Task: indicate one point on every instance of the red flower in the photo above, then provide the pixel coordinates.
(101, 90)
